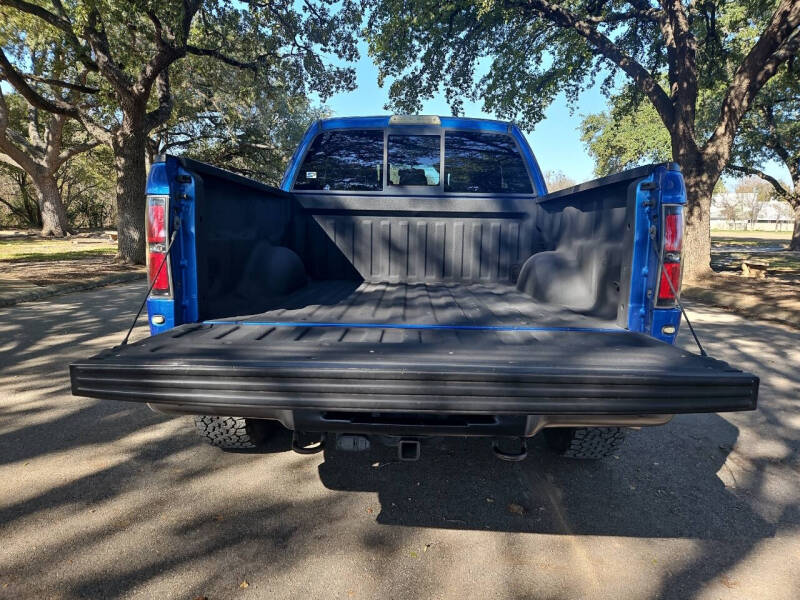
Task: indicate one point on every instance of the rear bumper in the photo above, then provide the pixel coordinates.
(421, 424)
(498, 390)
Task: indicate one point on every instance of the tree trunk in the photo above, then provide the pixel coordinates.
(696, 256)
(54, 217)
(129, 162)
(795, 243)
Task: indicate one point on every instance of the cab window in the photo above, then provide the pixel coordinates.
(414, 159)
(483, 162)
(343, 160)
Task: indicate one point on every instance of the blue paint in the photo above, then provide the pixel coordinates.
(465, 124)
(184, 264)
(160, 181)
(181, 307)
(530, 159)
(668, 188)
(409, 326)
(378, 122)
(643, 267)
(160, 306)
(662, 317)
(159, 178)
(297, 157)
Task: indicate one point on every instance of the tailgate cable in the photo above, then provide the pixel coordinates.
(150, 289)
(660, 257)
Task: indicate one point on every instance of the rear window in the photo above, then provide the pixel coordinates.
(483, 162)
(343, 160)
(414, 159)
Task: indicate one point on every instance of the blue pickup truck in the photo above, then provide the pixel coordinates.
(413, 278)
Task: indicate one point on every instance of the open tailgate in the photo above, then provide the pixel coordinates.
(348, 367)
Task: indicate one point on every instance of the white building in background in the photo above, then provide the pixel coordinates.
(730, 211)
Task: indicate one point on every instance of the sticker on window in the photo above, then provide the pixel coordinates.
(311, 174)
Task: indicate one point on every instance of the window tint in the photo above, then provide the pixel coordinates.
(343, 160)
(414, 159)
(483, 162)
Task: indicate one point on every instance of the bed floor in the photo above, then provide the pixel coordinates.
(349, 311)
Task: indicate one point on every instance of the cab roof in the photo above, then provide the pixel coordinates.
(381, 121)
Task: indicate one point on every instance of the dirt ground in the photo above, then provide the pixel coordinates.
(29, 258)
(775, 296)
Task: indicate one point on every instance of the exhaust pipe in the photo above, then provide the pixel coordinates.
(408, 450)
(516, 456)
(307, 443)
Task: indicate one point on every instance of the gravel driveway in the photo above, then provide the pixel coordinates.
(108, 500)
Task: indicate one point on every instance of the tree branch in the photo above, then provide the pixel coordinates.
(75, 150)
(61, 84)
(160, 115)
(779, 189)
(59, 22)
(643, 79)
(98, 41)
(779, 41)
(15, 210)
(101, 134)
(773, 141)
(648, 14)
(682, 58)
(228, 60)
(14, 77)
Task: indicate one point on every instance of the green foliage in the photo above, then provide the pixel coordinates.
(87, 189)
(237, 90)
(516, 62)
(623, 138)
(18, 207)
(771, 130)
(223, 116)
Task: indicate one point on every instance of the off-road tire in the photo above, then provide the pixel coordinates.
(585, 442)
(233, 433)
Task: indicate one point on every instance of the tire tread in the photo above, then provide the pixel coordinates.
(586, 442)
(230, 433)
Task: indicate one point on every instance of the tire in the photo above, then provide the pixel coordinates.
(233, 433)
(585, 442)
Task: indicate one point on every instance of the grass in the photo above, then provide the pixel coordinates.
(755, 235)
(33, 249)
(750, 240)
(730, 248)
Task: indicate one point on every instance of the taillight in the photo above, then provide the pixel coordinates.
(156, 224)
(156, 221)
(669, 284)
(673, 229)
(161, 277)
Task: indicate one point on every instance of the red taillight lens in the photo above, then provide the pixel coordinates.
(673, 230)
(157, 224)
(671, 255)
(161, 277)
(156, 221)
(670, 273)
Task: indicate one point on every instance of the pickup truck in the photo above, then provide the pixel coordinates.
(412, 278)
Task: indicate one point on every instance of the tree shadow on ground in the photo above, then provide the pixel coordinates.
(160, 515)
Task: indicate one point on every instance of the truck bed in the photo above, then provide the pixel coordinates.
(447, 348)
(348, 311)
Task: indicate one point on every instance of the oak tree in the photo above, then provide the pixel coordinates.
(127, 47)
(518, 55)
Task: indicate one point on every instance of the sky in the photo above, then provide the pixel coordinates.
(555, 140)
